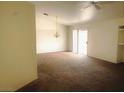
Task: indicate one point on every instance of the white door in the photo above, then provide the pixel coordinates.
(80, 42)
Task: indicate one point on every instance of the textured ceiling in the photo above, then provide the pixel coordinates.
(72, 12)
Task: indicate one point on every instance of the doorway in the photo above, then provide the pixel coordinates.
(80, 39)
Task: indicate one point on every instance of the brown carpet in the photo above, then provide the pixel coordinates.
(65, 71)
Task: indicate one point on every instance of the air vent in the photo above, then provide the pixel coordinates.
(45, 14)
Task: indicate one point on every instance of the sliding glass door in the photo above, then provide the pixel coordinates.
(80, 41)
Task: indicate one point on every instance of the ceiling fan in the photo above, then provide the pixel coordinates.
(96, 4)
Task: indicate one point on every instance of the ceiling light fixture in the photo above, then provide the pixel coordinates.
(56, 33)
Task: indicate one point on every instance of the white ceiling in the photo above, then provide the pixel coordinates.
(72, 12)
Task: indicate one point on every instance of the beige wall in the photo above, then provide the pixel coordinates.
(102, 38)
(45, 29)
(17, 45)
(70, 38)
(102, 41)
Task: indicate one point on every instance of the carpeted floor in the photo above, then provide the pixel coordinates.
(65, 71)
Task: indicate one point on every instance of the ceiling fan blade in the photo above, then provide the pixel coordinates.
(97, 6)
(85, 7)
(105, 2)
